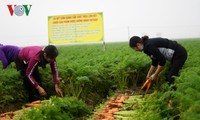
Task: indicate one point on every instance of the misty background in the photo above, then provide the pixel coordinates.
(173, 19)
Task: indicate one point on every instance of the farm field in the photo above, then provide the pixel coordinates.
(93, 75)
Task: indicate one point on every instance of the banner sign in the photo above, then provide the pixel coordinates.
(86, 27)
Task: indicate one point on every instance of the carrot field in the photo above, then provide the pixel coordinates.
(94, 78)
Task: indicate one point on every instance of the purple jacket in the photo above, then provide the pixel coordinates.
(31, 56)
(8, 53)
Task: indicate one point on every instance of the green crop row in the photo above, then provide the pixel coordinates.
(165, 103)
(93, 72)
(88, 72)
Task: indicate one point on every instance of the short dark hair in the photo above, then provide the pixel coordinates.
(51, 51)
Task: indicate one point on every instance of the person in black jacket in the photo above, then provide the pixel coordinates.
(160, 50)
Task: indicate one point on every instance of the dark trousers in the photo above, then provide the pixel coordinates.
(33, 93)
(177, 63)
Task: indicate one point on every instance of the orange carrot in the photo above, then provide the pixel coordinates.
(31, 105)
(36, 102)
(126, 96)
(148, 86)
(145, 84)
(113, 110)
(7, 113)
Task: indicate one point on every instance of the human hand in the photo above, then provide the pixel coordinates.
(41, 91)
(148, 77)
(58, 90)
(154, 77)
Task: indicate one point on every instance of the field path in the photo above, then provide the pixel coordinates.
(116, 107)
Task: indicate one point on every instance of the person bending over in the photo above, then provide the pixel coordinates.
(29, 59)
(8, 54)
(160, 50)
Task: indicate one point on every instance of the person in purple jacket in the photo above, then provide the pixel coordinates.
(8, 53)
(29, 59)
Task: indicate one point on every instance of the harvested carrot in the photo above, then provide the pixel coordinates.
(31, 105)
(109, 118)
(126, 96)
(113, 110)
(113, 98)
(107, 114)
(36, 102)
(7, 113)
(106, 109)
(104, 115)
(148, 86)
(120, 99)
(119, 105)
(113, 105)
(145, 84)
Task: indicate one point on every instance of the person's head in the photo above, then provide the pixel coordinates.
(50, 53)
(136, 42)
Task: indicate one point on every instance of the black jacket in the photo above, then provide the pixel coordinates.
(160, 50)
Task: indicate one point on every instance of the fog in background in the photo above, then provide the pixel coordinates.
(122, 19)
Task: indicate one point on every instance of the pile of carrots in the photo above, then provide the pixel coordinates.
(6, 116)
(111, 107)
(10, 115)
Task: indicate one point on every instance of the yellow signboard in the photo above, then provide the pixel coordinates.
(75, 28)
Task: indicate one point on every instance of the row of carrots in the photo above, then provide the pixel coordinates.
(111, 107)
(10, 115)
(116, 103)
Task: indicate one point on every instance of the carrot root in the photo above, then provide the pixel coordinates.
(148, 86)
(145, 84)
(36, 102)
